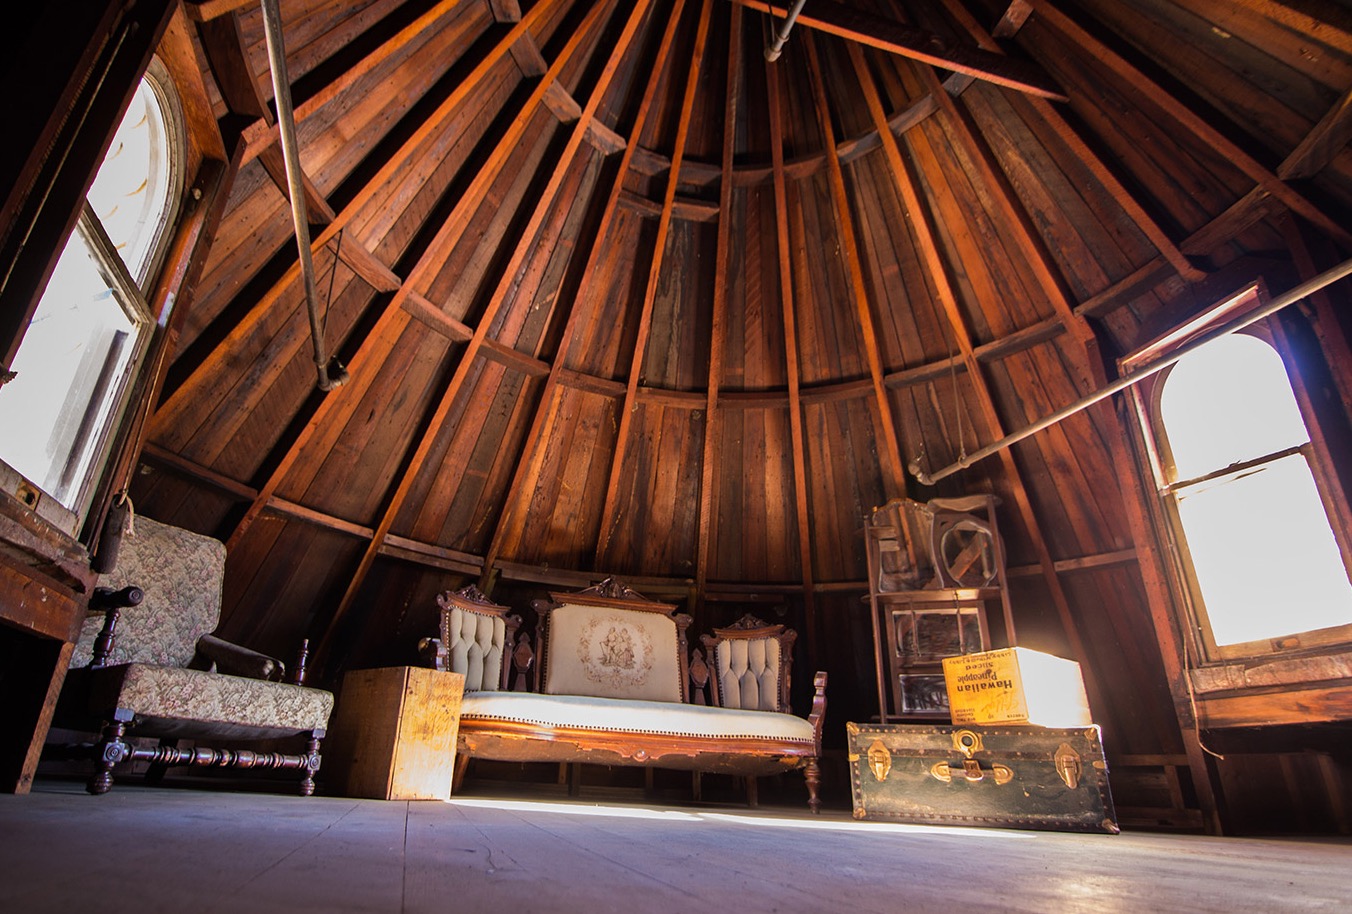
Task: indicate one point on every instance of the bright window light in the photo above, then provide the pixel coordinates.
(1261, 547)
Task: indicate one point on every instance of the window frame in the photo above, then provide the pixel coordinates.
(1158, 459)
(69, 513)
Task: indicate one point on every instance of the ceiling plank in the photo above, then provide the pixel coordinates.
(1321, 144)
(917, 44)
(511, 521)
(1097, 167)
(579, 39)
(712, 457)
(205, 373)
(889, 443)
(610, 506)
(1051, 16)
(787, 256)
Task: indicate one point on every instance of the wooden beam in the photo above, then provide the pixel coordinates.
(712, 457)
(379, 341)
(1328, 138)
(1053, 117)
(528, 468)
(917, 44)
(610, 505)
(498, 300)
(889, 442)
(1189, 120)
(788, 254)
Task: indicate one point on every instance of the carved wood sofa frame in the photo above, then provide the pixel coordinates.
(756, 743)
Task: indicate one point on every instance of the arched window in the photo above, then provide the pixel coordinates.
(1253, 536)
(84, 345)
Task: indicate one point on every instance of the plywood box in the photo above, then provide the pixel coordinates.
(1016, 685)
(393, 734)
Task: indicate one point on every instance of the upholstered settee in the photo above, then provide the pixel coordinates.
(613, 688)
(154, 670)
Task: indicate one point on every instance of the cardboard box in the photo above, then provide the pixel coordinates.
(1016, 685)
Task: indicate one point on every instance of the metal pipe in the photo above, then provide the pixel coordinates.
(286, 127)
(775, 47)
(1294, 295)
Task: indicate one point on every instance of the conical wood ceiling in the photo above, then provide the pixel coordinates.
(619, 297)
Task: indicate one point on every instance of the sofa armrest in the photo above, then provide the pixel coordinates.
(234, 660)
(817, 716)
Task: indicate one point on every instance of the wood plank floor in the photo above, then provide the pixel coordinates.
(184, 849)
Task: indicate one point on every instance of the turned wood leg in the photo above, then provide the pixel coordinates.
(813, 775)
(752, 791)
(311, 765)
(111, 750)
(575, 779)
(461, 766)
(155, 773)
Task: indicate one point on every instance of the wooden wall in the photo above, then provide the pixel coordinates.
(617, 296)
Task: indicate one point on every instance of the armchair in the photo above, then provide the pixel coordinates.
(152, 669)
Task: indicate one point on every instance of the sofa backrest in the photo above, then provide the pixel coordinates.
(751, 664)
(610, 642)
(476, 634)
(181, 573)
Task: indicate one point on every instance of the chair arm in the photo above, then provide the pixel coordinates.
(817, 716)
(234, 660)
(434, 654)
(111, 603)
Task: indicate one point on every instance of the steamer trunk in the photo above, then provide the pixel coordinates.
(1014, 777)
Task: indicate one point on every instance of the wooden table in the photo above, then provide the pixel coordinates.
(45, 583)
(393, 734)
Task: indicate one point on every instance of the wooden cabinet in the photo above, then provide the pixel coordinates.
(393, 734)
(936, 589)
(45, 585)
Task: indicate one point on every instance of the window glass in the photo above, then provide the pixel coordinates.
(1261, 549)
(1228, 402)
(80, 352)
(132, 193)
(77, 346)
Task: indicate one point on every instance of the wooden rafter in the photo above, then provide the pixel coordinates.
(433, 427)
(528, 467)
(713, 440)
(182, 400)
(917, 44)
(1100, 169)
(786, 255)
(610, 509)
(889, 442)
(1050, 15)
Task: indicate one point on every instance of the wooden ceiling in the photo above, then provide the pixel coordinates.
(617, 296)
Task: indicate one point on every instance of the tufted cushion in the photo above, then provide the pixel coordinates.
(475, 643)
(181, 573)
(201, 702)
(628, 716)
(611, 652)
(749, 673)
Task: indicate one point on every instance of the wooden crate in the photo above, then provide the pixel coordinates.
(393, 734)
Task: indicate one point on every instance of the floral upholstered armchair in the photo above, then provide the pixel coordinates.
(152, 668)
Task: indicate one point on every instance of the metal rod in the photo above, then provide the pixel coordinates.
(1294, 295)
(775, 47)
(286, 127)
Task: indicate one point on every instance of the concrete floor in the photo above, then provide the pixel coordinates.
(187, 849)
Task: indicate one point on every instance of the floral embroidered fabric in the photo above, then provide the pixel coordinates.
(181, 573)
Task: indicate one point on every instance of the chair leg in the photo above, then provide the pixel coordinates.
(752, 791)
(111, 750)
(575, 779)
(697, 786)
(812, 773)
(458, 778)
(311, 767)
